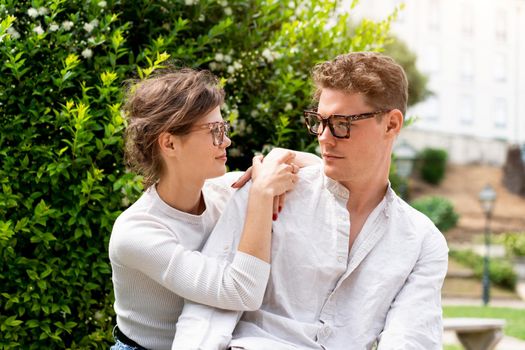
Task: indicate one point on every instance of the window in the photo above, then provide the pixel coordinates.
(466, 110)
(500, 67)
(430, 108)
(467, 20)
(430, 61)
(500, 113)
(434, 15)
(500, 22)
(467, 65)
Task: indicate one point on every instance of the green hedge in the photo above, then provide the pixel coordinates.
(439, 209)
(500, 271)
(514, 243)
(433, 165)
(62, 175)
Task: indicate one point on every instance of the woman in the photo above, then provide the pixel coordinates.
(177, 139)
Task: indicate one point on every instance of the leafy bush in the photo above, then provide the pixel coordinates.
(62, 175)
(433, 165)
(500, 271)
(439, 209)
(515, 243)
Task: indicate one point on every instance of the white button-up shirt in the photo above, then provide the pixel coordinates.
(386, 291)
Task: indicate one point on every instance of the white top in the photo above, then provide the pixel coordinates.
(155, 260)
(320, 296)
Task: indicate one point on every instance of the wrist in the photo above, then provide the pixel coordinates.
(261, 191)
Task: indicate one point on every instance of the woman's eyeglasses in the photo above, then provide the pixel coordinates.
(218, 130)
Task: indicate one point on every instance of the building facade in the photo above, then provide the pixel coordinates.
(474, 54)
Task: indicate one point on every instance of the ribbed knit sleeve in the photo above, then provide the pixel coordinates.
(234, 281)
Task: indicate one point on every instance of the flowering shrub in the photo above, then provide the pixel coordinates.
(62, 174)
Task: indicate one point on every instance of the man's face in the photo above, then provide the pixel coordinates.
(364, 155)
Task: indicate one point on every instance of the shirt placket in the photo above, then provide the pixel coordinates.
(341, 225)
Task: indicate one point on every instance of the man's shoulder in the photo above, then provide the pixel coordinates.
(312, 173)
(418, 223)
(406, 216)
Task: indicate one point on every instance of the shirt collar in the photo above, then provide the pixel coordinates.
(339, 190)
(335, 187)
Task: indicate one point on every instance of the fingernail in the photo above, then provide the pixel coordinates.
(280, 208)
(274, 217)
(233, 184)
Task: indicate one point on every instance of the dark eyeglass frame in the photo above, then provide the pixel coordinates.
(329, 120)
(217, 129)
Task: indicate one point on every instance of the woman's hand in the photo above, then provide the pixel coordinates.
(275, 174)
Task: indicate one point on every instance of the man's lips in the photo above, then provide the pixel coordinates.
(222, 157)
(330, 156)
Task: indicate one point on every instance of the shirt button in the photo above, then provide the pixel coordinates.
(341, 259)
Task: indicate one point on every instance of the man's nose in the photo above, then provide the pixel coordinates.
(326, 135)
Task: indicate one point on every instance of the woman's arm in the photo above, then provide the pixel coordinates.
(271, 178)
(230, 281)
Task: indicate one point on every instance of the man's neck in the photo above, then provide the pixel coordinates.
(366, 194)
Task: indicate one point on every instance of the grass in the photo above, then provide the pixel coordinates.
(515, 318)
(452, 347)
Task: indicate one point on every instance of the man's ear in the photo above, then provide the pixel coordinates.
(394, 122)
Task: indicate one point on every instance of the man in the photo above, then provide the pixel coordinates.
(353, 265)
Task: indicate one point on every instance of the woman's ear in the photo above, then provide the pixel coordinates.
(168, 144)
(394, 122)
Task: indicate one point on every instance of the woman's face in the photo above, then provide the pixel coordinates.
(201, 156)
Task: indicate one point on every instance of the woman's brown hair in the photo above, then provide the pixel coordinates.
(171, 101)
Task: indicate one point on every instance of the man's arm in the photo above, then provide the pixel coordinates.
(201, 326)
(414, 320)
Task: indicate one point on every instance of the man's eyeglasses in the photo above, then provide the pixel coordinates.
(339, 124)
(218, 130)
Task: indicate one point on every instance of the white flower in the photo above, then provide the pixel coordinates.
(219, 57)
(53, 27)
(237, 65)
(267, 54)
(228, 11)
(254, 113)
(190, 2)
(214, 66)
(94, 22)
(32, 12)
(42, 11)
(38, 30)
(88, 27)
(288, 107)
(102, 4)
(87, 53)
(230, 69)
(227, 58)
(91, 40)
(13, 33)
(67, 25)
